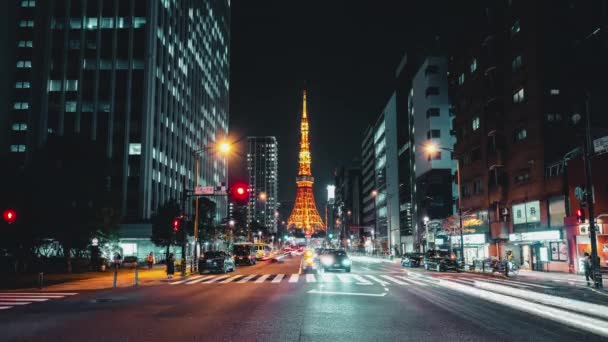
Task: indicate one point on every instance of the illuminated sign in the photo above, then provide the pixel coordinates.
(469, 239)
(331, 192)
(531, 236)
(472, 222)
(528, 212)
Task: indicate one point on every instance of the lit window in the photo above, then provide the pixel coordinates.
(17, 148)
(521, 134)
(70, 106)
(21, 105)
(25, 44)
(28, 3)
(19, 126)
(475, 123)
(519, 96)
(554, 91)
(22, 85)
(134, 149)
(461, 79)
(26, 23)
(516, 63)
(24, 64)
(473, 65)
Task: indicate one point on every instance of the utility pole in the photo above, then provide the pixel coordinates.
(588, 146)
(183, 230)
(195, 256)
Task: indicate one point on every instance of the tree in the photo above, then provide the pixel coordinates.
(69, 180)
(162, 225)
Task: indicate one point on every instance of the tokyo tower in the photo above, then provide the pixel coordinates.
(305, 215)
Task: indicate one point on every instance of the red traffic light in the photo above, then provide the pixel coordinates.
(176, 225)
(240, 191)
(580, 215)
(9, 216)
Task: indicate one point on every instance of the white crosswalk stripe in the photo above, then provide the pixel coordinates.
(327, 278)
(344, 278)
(213, 280)
(361, 280)
(294, 278)
(409, 279)
(185, 280)
(380, 281)
(246, 279)
(198, 280)
(11, 299)
(262, 278)
(310, 278)
(396, 281)
(231, 279)
(278, 278)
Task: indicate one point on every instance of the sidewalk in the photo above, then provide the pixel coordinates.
(101, 280)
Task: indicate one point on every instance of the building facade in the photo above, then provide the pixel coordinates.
(368, 184)
(514, 95)
(147, 79)
(263, 169)
(347, 204)
(433, 189)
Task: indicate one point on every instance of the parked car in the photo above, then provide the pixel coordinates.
(216, 261)
(244, 254)
(130, 262)
(440, 261)
(335, 260)
(412, 259)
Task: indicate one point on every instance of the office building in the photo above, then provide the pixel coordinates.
(262, 166)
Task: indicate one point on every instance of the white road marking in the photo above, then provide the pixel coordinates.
(361, 280)
(397, 281)
(24, 299)
(231, 279)
(347, 293)
(294, 278)
(8, 303)
(3, 295)
(213, 280)
(310, 278)
(190, 282)
(246, 279)
(327, 278)
(262, 278)
(5, 307)
(41, 293)
(412, 280)
(344, 278)
(185, 280)
(382, 282)
(278, 278)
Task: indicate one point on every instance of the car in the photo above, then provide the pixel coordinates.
(440, 261)
(129, 262)
(263, 251)
(287, 251)
(335, 260)
(412, 259)
(244, 254)
(216, 261)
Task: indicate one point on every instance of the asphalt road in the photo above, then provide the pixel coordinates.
(271, 302)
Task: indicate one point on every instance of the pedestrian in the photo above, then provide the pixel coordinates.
(170, 266)
(587, 266)
(508, 262)
(150, 260)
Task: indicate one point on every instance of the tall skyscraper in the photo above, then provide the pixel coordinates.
(148, 79)
(305, 215)
(263, 167)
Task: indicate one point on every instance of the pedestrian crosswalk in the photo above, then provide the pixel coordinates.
(10, 300)
(347, 278)
(507, 282)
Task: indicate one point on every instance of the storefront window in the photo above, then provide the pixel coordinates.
(559, 251)
(557, 212)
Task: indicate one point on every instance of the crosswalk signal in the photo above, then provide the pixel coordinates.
(9, 216)
(175, 225)
(580, 215)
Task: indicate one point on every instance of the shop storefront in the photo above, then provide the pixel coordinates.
(544, 250)
(475, 246)
(583, 244)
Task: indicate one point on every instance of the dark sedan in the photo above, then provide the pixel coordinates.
(335, 260)
(216, 261)
(440, 261)
(412, 259)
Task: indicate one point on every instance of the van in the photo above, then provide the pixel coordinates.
(263, 251)
(244, 253)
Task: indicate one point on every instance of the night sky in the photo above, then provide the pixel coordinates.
(345, 52)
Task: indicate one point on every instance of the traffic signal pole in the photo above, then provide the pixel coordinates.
(595, 266)
(183, 231)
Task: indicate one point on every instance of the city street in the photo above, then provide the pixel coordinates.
(272, 301)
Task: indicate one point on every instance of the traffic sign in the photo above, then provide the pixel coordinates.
(600, 145)
(204, 190)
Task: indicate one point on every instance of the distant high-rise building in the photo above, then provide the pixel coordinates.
(147, 79)
(368, 184)
(263, 168)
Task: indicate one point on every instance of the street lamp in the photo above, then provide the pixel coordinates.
(262, 196)
(431, 148)
(426, 229)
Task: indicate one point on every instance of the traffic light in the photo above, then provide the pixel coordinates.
(580, 215)
(9, 216)
(331, 236)
(239, 193)
(176, 224)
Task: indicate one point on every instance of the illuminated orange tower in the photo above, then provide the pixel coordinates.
(305, 215)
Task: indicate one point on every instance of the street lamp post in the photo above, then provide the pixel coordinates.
(426, 229)
(432, 148)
